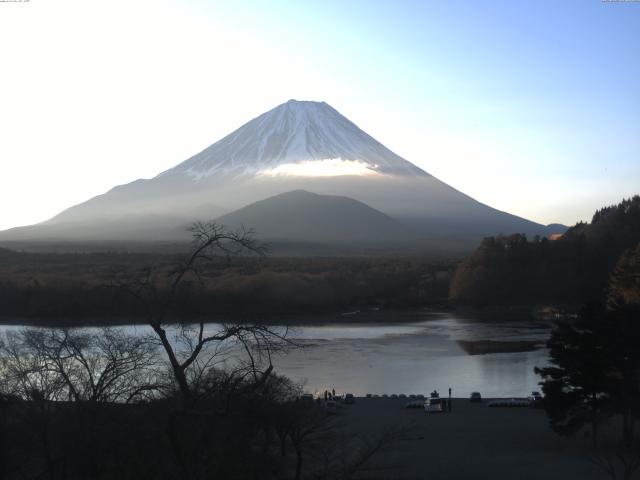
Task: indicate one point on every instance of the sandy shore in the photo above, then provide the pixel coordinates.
(474, 441)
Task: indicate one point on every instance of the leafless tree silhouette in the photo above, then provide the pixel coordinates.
(73, 365)
(159, 291)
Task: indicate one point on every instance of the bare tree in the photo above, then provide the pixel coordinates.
(308, 422)
(347, 456)
(159, 291)
(618, 459)
(74, 365)
(57, 381)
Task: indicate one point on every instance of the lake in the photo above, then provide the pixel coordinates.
(416, 354)
(410, 352)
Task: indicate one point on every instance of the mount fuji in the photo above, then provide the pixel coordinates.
(295, 133)
(297, 146)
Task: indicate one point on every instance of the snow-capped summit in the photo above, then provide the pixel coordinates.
(301, 138)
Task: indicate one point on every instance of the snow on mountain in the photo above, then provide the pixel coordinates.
(288, 140)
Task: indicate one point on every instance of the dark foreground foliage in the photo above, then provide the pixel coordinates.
(106, 405)
(594, 377)
(223, 436)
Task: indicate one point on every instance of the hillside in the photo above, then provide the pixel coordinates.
(572, 269)
(301, 216)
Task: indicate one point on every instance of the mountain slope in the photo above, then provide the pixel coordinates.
(301, 216)
(295, 146)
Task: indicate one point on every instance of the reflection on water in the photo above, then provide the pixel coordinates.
(415, 357)
(408, 353)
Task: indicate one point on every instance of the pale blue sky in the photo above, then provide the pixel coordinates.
(532, 107)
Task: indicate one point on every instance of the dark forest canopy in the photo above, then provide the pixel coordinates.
(79, 287)
(570, 270)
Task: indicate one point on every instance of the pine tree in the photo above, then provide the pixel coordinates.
(595, 360)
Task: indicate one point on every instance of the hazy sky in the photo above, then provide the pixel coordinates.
(531, 107)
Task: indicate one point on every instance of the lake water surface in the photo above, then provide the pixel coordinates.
(409, 352)
(416, 355)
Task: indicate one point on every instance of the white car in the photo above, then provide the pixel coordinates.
(433, 405)
(535, 397)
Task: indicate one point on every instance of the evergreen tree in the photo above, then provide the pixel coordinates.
(576, 386)
(595, 360)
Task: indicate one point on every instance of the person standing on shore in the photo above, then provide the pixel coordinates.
(449, 403)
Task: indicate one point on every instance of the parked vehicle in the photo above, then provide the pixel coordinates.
(475, 397)
(535, 396)
(349, 399)
(306, 398)
(433, 405)
(536, 399)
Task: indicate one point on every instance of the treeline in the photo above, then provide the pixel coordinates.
(571, 270)
(82, 287)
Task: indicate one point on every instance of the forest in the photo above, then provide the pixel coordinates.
(85, 287)
(569, 271)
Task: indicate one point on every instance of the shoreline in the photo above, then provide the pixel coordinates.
(349, 316)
